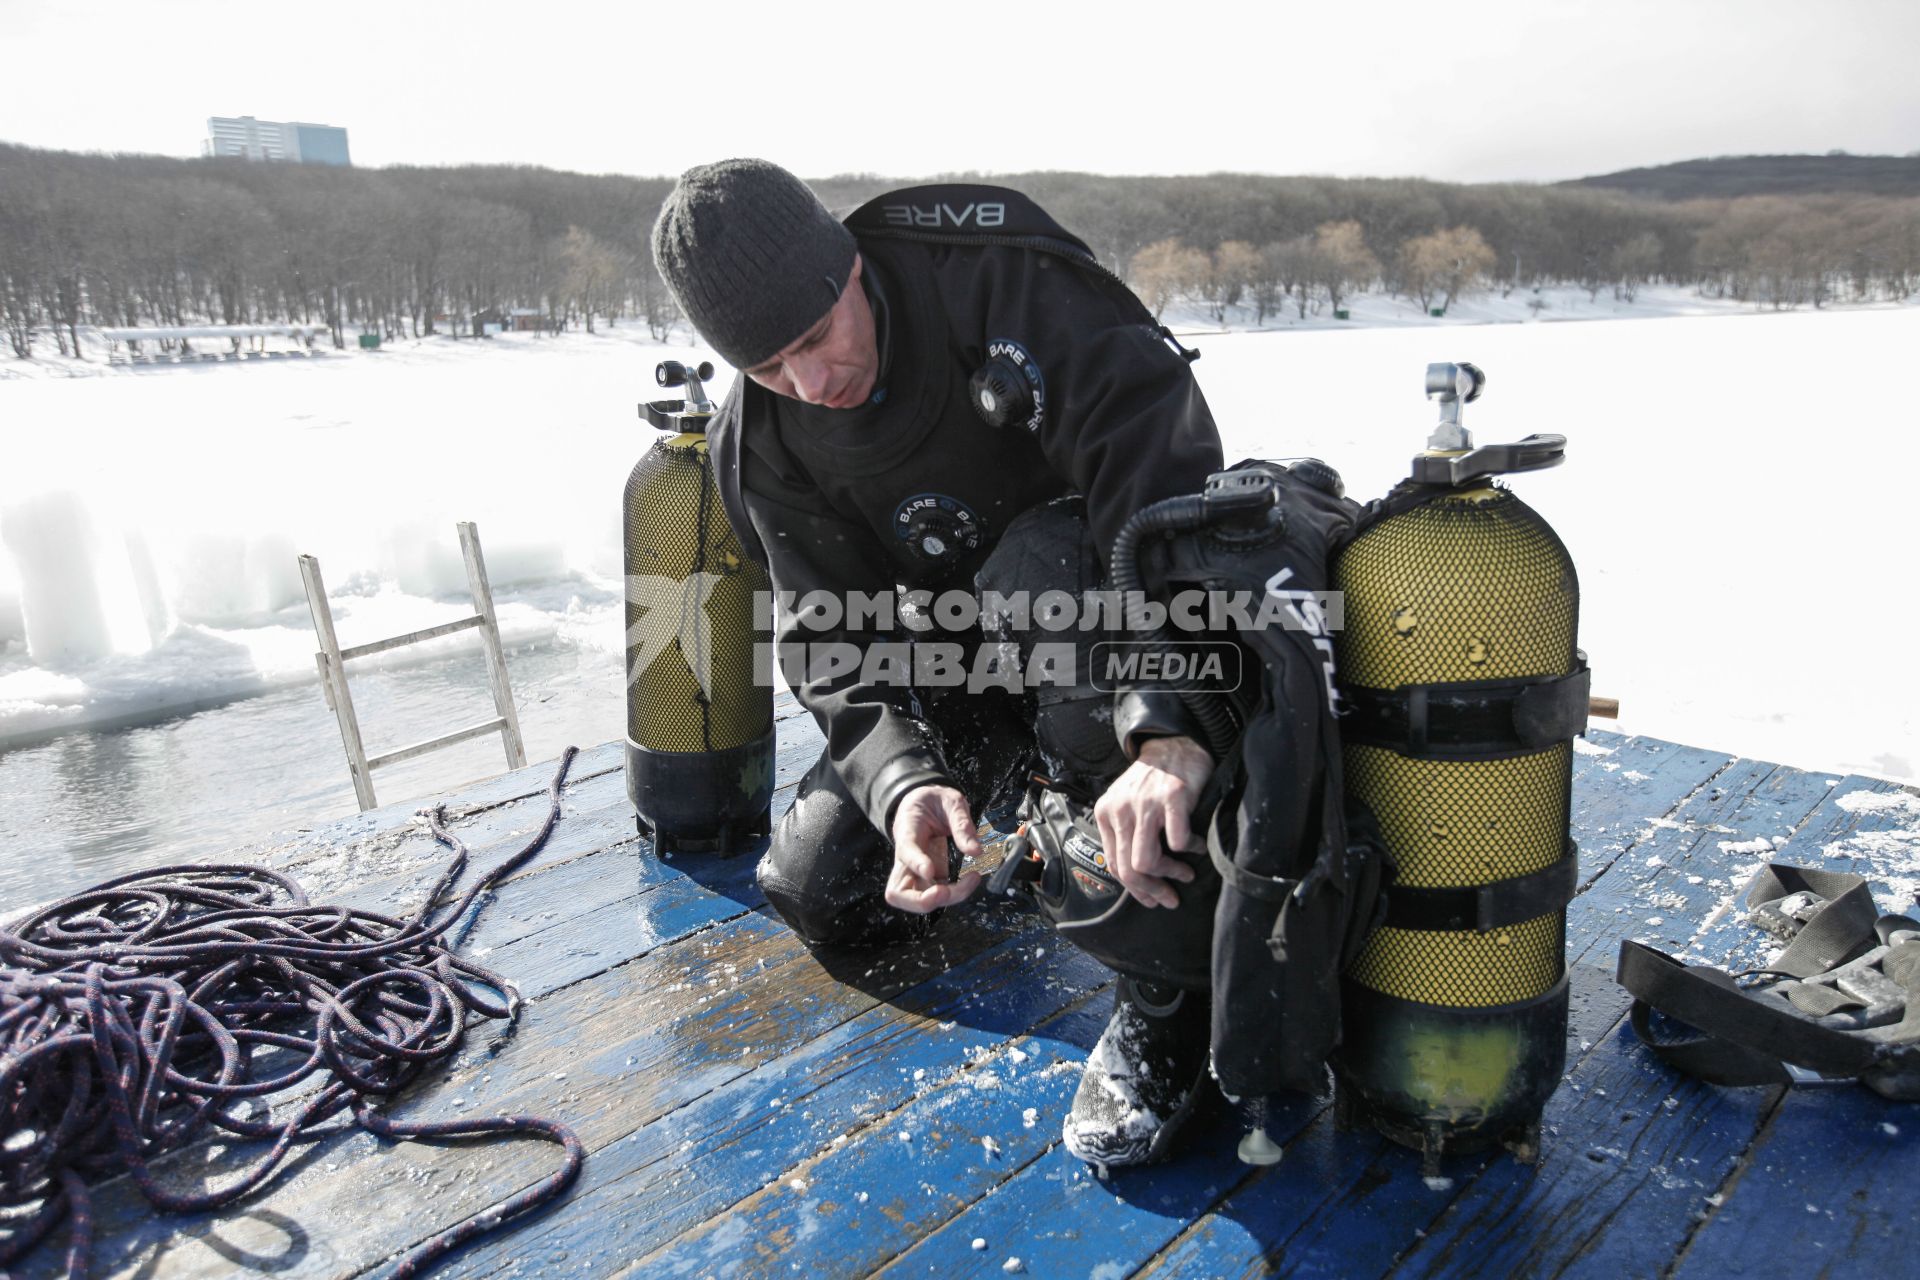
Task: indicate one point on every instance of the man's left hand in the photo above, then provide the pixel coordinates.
(1154, 798)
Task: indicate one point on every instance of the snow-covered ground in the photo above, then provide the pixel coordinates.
(1735, 498)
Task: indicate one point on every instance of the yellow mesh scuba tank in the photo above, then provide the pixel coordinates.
(1464, 691)
(699, 725)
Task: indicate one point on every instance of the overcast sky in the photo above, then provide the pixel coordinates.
(1465, 90)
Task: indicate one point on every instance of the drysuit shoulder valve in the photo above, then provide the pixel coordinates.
(1006, 390)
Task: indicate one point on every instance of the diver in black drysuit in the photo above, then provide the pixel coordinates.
(911, 488)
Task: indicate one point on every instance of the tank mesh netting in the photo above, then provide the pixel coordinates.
(1456, 823)
(1463, 588)
(1437, 622)
(679, 546)
(1452, 823)
(1465, 970)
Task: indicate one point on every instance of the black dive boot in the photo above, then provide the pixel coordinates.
(1142, 1078)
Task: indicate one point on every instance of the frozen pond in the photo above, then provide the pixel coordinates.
(1734, 499)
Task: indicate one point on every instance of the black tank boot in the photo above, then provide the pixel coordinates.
(1142, 1078)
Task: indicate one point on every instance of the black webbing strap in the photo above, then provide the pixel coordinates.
(1744, 1037)
(1834, 933)
(1473, 720)
(1211, 814)
(1735, 1035)
(1487, 906)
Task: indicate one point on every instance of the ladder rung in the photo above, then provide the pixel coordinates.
(434, 744)
(412, 637)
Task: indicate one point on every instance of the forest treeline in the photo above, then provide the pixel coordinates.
(143, 240)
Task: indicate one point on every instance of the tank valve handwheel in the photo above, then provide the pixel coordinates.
(671, 373)
(672, 415)
(1459, 381)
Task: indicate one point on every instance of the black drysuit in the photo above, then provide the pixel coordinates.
(915, 490)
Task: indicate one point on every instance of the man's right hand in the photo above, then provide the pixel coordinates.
(927, 823)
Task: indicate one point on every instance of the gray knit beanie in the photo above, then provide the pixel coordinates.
(752, 256)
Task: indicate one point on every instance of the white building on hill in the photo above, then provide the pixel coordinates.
(253, 139)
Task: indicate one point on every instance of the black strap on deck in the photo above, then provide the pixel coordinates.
(1842, 1001)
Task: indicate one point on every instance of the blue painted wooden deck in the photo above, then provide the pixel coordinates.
(750, 1112)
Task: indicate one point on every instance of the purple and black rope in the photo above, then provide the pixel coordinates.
(153, 1009)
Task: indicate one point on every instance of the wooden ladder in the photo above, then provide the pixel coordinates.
(332, 661)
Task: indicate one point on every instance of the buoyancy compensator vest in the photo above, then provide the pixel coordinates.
(1290, 882)
(1300, 866)
(1465, 690)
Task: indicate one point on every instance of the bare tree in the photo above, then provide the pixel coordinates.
(1230, 271)
(593, 270)
(1445, 264)
(1165, 270)
(1342, 263)
(1635, 263)
(657, 306)
(1273, 278)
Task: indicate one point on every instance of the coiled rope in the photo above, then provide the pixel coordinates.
(143, 1013)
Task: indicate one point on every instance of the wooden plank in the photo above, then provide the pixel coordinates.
(1058, 1218)
(863, 1202)
(1053, 1121)
(693, 1164)
(399, 858)
(395, 820)
(1827, 1193)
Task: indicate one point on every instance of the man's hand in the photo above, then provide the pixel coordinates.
(927, 822)
(1154, 797)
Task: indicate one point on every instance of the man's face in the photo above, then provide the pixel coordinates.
(836, 362)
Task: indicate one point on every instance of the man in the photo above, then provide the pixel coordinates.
(853, 458)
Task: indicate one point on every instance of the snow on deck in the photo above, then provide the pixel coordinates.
(751, 1111)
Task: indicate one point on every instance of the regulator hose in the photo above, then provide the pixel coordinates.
(1182, 514)
(152, 1010)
